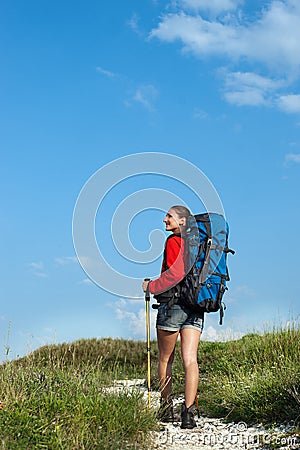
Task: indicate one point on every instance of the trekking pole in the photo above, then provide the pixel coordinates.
(147, 300)
(197, 405)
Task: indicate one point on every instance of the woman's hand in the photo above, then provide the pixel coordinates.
(145, 285)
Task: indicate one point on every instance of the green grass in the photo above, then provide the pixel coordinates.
(255, 379)
(55, 397)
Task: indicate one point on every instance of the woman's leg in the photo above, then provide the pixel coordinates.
(189, 346)
(166, 345)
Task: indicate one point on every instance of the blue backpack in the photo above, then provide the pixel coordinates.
(206, 249)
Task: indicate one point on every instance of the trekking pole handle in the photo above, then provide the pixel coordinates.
(147, 295)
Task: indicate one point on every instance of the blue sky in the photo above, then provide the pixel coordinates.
(213, 82)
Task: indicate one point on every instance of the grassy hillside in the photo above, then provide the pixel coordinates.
(55, 397)
(255, 379)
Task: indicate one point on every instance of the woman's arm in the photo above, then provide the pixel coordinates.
(174, 272)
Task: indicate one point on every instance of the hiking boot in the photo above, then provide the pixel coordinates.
(165, 412)
(187, 417)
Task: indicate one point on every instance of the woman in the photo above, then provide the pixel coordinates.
(174, 319)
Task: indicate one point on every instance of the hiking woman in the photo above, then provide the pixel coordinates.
(174, 319)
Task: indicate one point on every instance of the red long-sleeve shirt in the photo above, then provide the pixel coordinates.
(172, 271)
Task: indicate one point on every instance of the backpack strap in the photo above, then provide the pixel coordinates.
(204, 269)
(229, 250)
(219, 300)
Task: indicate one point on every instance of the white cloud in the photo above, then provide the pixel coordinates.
(146, 95)
(106, 72)
(247, 88)
(215, 6)
(37, 265)
(40, 274)
(135, 319)
(197, 35)
(85, 261)
(200, 114)
(62, 261)
(250, 97)
(292, 157)
(38, 269)
(245, 290)
(211, 333)
(86, 281)
(289, 103)
(250, 79)
(134, 316)
(272, 39)
(133, 23)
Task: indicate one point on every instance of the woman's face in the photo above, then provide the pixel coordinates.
(173, 222)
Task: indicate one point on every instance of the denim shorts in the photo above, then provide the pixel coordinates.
(177, 317)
